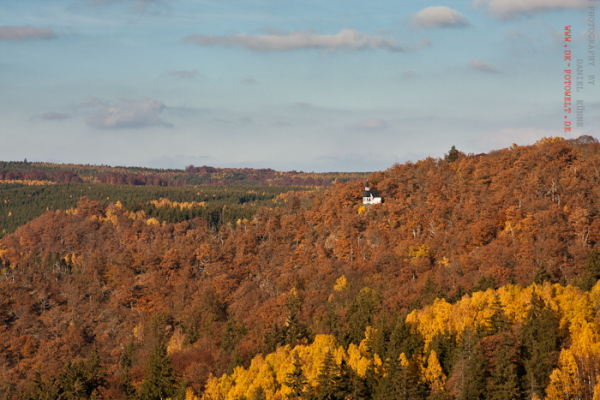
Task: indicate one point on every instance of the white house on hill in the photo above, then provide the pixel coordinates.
(371, 196)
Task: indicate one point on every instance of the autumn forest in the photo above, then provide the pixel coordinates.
(476, 278)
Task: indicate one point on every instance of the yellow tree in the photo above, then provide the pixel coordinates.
(434, 375)
(564, 381)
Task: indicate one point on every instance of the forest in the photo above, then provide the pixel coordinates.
(476, 278)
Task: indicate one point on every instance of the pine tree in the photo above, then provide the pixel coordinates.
(293, 329)
(360, 314)
(82, 379)
(504, 380)
(591, 274)
(296, 381)
(390, 385)
(540, 345)
(542, 275)
(452, 155)
(44, 389)
(402, 381)
(497, 321)
(342, 380)
(326, 387)
(476, 374)
(126, 365)
(159, 379)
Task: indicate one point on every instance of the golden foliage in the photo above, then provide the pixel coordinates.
(28, 182)
(341, 284)
(166, 203)
(270, 372)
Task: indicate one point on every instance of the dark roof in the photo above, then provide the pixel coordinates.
(369, 193)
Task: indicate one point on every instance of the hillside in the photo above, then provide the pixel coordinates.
(105, 277)
(28, 189)
(37, 172)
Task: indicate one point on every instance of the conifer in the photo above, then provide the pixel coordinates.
(159, 379)
(296, 381)
(540, 345)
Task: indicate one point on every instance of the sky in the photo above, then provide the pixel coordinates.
(306, 85)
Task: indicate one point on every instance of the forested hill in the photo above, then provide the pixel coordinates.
(28, 189)
(41, 172)
(104, 286)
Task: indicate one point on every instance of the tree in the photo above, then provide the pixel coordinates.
(360, 314)
(475, 384)
(434, 375)
(402, 381)
(126, 365)
(540, 345)
(159, 379)
(325, 379)
(293, 329)
(44, 389)
(452, 155)
(564, 381)
(296, 381)
(505, 382)
(78, 380)
(591, 274)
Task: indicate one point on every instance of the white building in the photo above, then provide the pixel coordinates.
(371, 196)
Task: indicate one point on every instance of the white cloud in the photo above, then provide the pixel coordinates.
(22, 33)
(344, 39)
(439, 17)
(481, 66)
(512, 8)
(129, 114)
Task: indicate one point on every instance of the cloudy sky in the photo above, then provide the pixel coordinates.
(309, 85)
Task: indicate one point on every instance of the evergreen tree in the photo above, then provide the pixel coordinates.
(82, 379)
(476, 374)
(296, 381)
(159, 379)
(497, 321)
(393, 336)
(126, 365)
(362, 387)
(360, 314)
(452, 155)
(365, 388)
(77, 380)
(232, 334)
(540, 345)
(389, 386)
(325, 378)
(591, 274)
(444, 346)
(342, 380)
(504, 380)
(293, 329)
(334, 381)
(542, 275)
(401, 382)
(44, 389)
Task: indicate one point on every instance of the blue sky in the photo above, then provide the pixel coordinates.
(308, 85)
